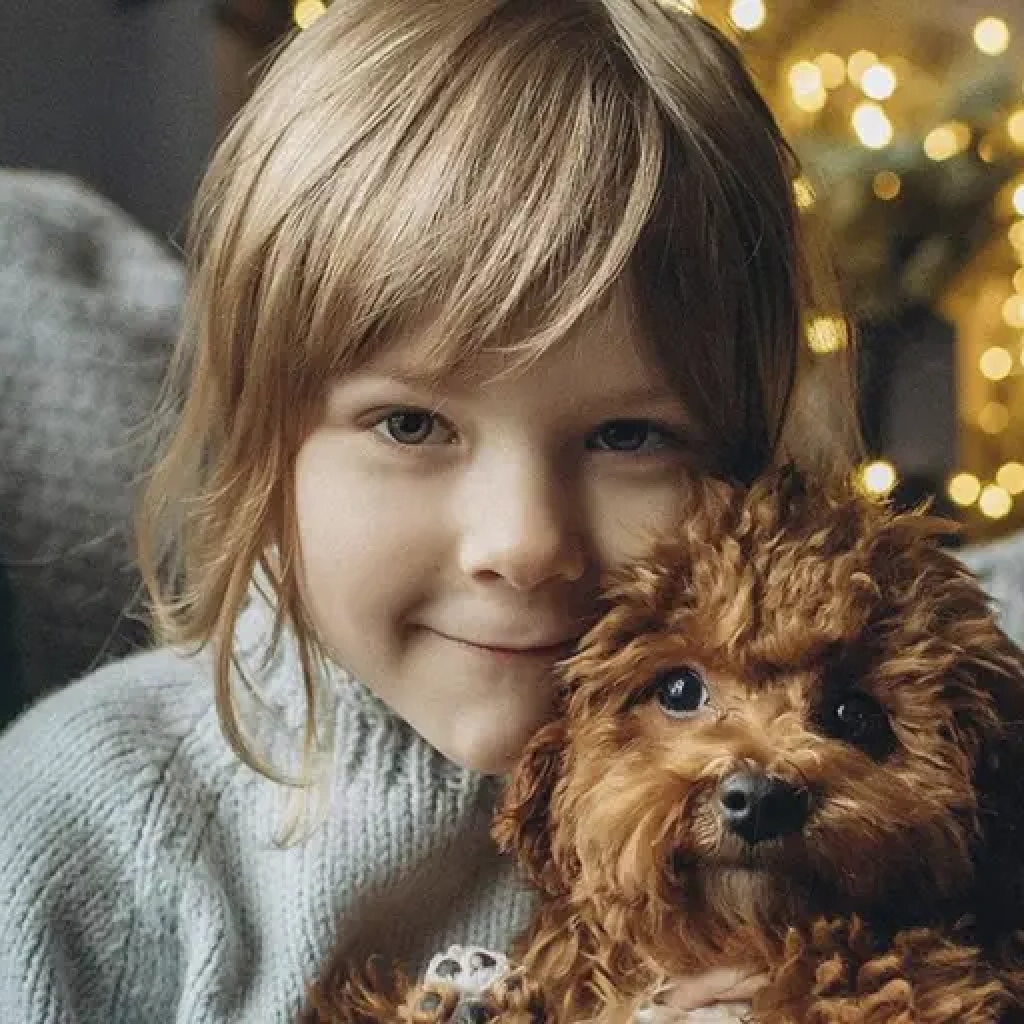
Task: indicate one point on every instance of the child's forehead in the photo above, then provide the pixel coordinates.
(607, 350)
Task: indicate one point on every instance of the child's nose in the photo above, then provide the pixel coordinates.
(522, 526)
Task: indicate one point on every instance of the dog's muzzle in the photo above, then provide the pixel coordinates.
(757, 807)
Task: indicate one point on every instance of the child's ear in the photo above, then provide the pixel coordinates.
(523, 824)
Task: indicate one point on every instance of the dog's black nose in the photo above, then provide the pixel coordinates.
(757, 807)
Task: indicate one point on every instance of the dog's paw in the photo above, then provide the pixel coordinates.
(471, 970)
(471, 985)
(431, 1003)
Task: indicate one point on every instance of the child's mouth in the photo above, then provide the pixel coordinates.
(547, 651)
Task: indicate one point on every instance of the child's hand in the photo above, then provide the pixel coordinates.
(721, 996)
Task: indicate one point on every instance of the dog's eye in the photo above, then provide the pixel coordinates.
(860, 720)
(681, 692)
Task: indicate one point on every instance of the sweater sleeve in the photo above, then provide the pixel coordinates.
(140, 880)
(91, 858)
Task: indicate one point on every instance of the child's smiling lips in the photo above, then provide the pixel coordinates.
(542, 647)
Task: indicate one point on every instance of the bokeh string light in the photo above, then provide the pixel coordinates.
(747, 15)
(865, 85)
(305, 12)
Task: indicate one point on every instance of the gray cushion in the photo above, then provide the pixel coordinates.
(88, 312)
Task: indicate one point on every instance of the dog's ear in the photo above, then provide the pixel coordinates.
(523, 824)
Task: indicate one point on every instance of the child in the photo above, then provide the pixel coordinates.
(477, 285)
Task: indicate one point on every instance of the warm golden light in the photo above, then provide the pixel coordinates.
(886, 185)
(995, 502)
(994, 417)
(1018, 280)
(996, 363)
(1011, 477)
(805, 78)
(812, 102)
(964, 489)
(992, 36)
(873, 127)
(1018, 200)
(1013, 311)
(826, 334)
(1015, 127)
(1016, 234)
(987, 150)
(747, 15)
(305, 12)
(947, 140)
(878, 82)
(859, 62)
(803, 193)
(878, 478)
(807, 86)
(833, 69)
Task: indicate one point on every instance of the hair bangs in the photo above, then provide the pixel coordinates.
(478, 227)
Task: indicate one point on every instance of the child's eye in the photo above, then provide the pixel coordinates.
(631, 436)
(414, 427)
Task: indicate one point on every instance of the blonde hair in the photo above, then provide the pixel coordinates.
(494, 168)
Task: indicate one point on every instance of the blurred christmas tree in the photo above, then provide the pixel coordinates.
(909, 121)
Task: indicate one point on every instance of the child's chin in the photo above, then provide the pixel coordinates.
(489, 735)
(487, 758)
(491, 748)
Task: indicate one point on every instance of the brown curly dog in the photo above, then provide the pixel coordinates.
(795, 740)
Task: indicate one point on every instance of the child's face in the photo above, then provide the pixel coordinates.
(453, 537)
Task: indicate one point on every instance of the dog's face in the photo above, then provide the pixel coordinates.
(797, 707)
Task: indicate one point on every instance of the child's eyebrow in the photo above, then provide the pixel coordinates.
(415, 380)
(647, 394)
(422, 380)
(655, 394)
(644, 399)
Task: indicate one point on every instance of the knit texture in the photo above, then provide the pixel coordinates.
(139, 880)
(89, 306)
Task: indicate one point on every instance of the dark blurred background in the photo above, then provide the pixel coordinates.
(122, 95)
(128, 94)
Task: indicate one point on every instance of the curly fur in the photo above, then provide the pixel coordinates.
(900, 897)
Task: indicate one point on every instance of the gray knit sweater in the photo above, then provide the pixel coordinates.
(139, 880)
